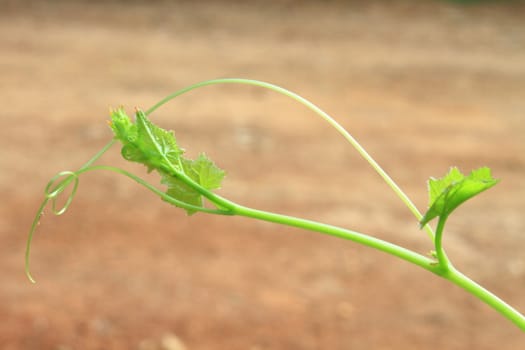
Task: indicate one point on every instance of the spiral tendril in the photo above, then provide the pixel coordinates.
(53, 192)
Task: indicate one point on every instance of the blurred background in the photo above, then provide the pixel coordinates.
(423, 85)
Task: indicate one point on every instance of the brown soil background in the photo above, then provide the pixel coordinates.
(423, 86)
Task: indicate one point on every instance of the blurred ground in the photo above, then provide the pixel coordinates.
(423, 87)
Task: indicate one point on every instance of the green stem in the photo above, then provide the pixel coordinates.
(32, 230)
(442, 258)
(155, 190)
(355, 236)
(99, 154)
(390, 182)
(443, 269)
(222, 203)
(486, 296)
(449, 273)
(171, 169)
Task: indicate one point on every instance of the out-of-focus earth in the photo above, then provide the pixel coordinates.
(422, 85)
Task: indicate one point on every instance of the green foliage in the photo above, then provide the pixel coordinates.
(144, 142)
(447, 193)
(189, 180)
(203, 172)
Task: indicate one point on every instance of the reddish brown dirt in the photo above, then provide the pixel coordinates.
(422, 87)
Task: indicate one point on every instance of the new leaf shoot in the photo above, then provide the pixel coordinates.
(146, 143)
(449, 192)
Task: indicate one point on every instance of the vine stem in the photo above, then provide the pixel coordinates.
(163, 195)
(390, 182)
(446, 270)
(442, 258)
(331, 230)
(485, 295)
(450, 273)
(442, 268)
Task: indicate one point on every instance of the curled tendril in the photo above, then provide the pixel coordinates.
(53, 191)
(60, 182)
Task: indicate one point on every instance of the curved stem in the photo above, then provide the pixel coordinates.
(443, 260)
(155, 190)
(390, 182)
(219, 201)
(236, 209)
(99, 154)
(443, 269)
(486, 296)
(32, 230)
(354, 236)
(449, 272)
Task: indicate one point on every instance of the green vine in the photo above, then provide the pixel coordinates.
(190, 184)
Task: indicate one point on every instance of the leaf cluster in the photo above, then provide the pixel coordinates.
(450, 191)
(156, 148)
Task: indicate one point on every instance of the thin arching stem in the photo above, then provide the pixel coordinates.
(443, 268)
(32, 230)
(390, 182)
(155, 190)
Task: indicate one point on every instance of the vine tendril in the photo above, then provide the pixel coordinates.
(52, 193)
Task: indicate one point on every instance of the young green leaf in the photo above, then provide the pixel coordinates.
(158, 145)
(203, 172)
(122, 126)
(210, 176)
(143, 142)
(157, 149)
(447, 193)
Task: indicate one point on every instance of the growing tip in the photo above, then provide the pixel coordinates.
(29, 277)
